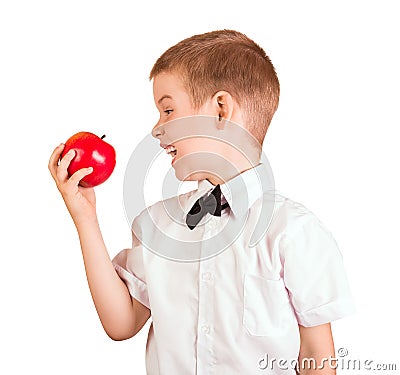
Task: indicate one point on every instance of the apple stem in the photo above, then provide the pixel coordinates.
(103, 136)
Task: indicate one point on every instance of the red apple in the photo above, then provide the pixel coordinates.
(90, 151)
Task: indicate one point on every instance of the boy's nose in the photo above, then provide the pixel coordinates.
(158, 130)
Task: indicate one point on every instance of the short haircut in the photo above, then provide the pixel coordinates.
(230, 61)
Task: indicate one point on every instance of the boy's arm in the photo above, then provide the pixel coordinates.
(121, 316)
(316, 348)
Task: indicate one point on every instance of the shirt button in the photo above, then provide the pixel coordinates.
(206, 276)
(205, 329)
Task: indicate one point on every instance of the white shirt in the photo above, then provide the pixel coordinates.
(227, 313)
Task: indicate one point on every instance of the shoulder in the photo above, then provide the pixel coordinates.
(299, 230)
(291, 216)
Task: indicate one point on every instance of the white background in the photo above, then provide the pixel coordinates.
(68, 66)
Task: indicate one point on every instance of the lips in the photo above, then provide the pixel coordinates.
(170, 150)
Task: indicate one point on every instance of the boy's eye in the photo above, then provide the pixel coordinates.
(168, 111)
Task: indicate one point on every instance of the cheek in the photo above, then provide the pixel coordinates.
(186, 146)
(192, 145)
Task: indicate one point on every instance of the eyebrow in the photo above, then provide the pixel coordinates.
(164, 97)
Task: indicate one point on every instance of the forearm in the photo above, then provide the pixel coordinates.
(110, 295)
(316, 350)
(316, 363)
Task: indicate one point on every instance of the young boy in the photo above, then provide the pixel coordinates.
(245, 310)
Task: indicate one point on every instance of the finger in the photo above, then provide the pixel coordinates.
(62, 171)
(53, 161)
(78, 175)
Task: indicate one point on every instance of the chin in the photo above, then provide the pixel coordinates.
(185, 176)
(195, 177)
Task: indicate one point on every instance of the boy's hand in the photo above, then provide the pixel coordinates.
(81, 202)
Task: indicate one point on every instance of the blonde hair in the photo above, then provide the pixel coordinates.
(230, 61)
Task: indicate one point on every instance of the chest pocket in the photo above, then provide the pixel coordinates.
(266, 307)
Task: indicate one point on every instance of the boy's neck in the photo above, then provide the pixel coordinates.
(218, 181)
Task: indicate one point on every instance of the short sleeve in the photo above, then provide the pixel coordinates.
(314, 274)
(129, 265)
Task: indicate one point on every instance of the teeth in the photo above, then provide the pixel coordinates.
(170, 150)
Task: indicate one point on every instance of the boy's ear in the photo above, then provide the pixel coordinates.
(223, 104)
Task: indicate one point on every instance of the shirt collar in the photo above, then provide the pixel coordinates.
(240, 191)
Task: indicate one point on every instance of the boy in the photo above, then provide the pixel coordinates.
(245, 310)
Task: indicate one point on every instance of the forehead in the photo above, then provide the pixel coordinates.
(167, 84)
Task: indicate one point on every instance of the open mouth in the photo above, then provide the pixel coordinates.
(171, 150)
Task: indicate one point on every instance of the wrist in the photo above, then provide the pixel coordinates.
(84, 220)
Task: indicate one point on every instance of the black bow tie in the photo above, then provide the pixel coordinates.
(210, 204)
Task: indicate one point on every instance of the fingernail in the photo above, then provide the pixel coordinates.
(90, 169)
